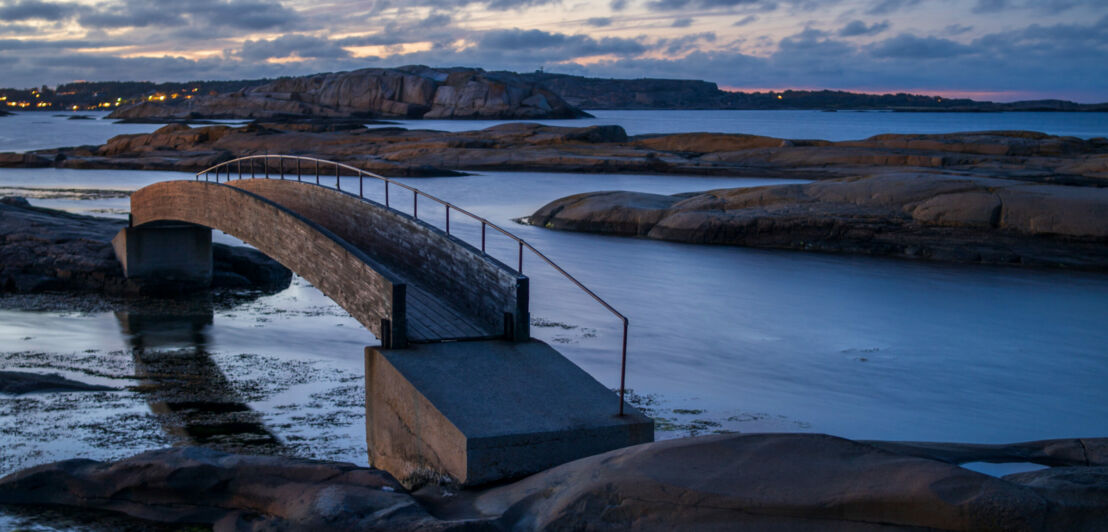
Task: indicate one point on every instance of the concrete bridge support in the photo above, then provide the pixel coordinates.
(166, 253)
(483, 411)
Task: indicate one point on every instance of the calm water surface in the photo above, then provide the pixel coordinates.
(842, 125)
(722, 338)
(32, 131)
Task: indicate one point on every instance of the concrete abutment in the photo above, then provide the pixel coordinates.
(484, 411)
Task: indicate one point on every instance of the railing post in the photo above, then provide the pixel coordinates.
(386, 194)
(448, 219)
(265, 162)
(240, 168)
(520, 269)
(361, 184)
(623, 369)
(298, 170)
(252, 176)
(317, 171)
(338, 182)
(415, 205)
(482, 236)
(281, 165)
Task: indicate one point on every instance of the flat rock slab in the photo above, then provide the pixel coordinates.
(483, 411)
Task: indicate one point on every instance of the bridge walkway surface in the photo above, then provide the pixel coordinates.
(431, 319)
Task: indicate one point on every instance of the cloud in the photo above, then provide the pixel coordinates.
(17, 29)
(569, 46)
(957, 29)
(671, 5)
(1044, 6)
(18, 10)
(300, 46)
(682, 23)
(599, 22)
(200, 14)
(905, 46)
(856, 28)
(884, 7)
(745, 20)
(435, 20)
(685, 44)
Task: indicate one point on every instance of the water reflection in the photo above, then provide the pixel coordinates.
(193, 399)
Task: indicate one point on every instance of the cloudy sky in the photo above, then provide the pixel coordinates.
(985, 49)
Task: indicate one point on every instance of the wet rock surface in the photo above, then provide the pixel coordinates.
(778, 481)
(922, 215)
(48, 250)
(405, 92)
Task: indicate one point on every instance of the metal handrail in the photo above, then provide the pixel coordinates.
(416, 193)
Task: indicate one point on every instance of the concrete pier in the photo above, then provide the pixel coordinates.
(166, 252)
(483, 411)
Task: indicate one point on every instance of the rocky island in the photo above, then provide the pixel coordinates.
(406, 92)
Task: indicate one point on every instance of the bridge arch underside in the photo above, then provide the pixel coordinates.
(380, 297)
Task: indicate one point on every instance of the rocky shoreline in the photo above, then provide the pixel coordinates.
(779, 481)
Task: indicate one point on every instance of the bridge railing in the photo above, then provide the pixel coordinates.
(322, 169)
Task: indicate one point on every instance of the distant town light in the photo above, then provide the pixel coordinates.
(779, 97)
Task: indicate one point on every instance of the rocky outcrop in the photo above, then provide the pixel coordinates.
(46, 250)
(406, 92)
(195, 485)
(24, 160)
(915, 215)
(759, 481)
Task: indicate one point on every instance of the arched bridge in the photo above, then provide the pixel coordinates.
(416, 287)
(401, 278)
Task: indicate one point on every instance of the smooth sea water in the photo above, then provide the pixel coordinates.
(32, 131)
(841, 125)
(722, 338)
